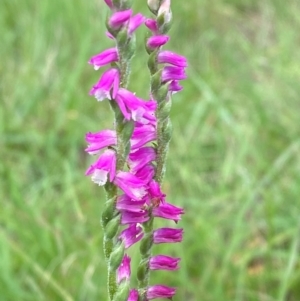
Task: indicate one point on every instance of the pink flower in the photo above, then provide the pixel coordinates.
(124, 271)
(162, 262)
(119, 18)
(160, 291)
(130, 184)
(152, 25)
(141, 157)
(174, 86)
(146, 173)
(171, 73)
(135, 22)
(134, 217)
(109, 80)
(142, 135)
(105, 57)
(106, 164)
(131, 235)
(133, 295)
(99, 140)
(168, 211)
(157, 41)
(133, 107)
(167, 235)
(168, 57)
(125, 203)
(156, 193)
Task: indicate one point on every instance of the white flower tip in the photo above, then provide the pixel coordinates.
(101, 95)
(99, 177)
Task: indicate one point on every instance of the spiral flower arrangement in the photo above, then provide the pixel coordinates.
(131, 157)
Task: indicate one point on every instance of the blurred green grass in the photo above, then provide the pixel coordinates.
(234, 161)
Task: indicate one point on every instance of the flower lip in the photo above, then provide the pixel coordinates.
(106, 164)
(110, 80)
(105, 57)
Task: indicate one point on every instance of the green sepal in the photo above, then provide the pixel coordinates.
(129, 49)
(167, 132)
(122, 38)
(118, 114)
(122, 292)
(117, 3)
(142, 270)
(108, 211)
(127, 150)
(164, 110)
(112, 227)
(146, 244)
(142, 294)
(126, 4)
(152, 61)
(156, 81)
(161, 93)
(116, 257)
(126, 131)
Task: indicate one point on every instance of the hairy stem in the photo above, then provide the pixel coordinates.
(123, 135)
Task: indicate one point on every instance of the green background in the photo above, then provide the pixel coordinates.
(234, 160)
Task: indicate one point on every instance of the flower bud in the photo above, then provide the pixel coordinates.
(164, 19)
(122, 292)
(112, 227)
(142, 270)
(116, 257)
(108, 211)
(167, 132)
(164, 110)
(161, 93)
(127, 131)
(165, 10)
(153, 5)
(146, 244)
(152, 61)
(156, 81)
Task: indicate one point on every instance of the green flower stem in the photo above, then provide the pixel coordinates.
(143, 274)
(163, 130)
(108, 243)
